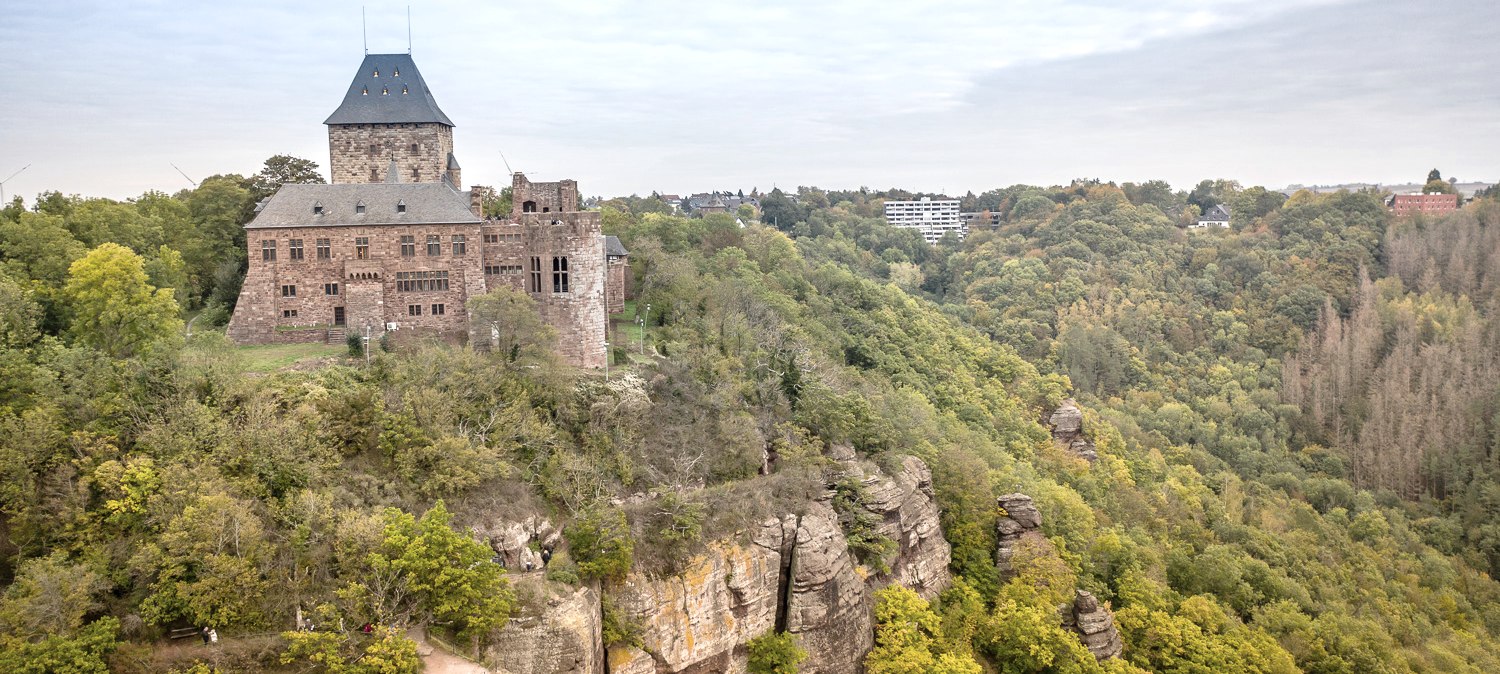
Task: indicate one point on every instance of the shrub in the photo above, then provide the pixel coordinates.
(599, 540)
(775, 653)
(356, 344)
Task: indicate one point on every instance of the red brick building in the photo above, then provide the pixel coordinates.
(395, 244)
(1425, 204)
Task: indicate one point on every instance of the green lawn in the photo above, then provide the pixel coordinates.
(272, 357)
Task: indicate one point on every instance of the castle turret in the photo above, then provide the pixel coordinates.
(389, 117)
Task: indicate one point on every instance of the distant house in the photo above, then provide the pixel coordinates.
(932, 217)
(1218, 216)
(982, 219)
(1424, 204)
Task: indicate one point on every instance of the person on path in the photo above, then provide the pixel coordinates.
(204, 633)
(546, 556)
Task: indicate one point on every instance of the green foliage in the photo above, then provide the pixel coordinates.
(860, 525)
(387, 650)
(82, 653)
(506, 321)
(774, 653)
(908, 638)
(113, 308)
(600, 542)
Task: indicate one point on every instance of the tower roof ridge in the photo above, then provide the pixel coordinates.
(388, 89)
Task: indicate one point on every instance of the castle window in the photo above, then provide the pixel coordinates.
(559, 274)
(288, 291)
(403, 89)
(421, 281)
(362, 247)
(546, 209)
(491, 269)
(377, 72)
(385, 91)
(401, 206)
(365, 91)
(416, 173)
(492, 238)
(413, 148)
(268, 250)
(325, 249)
(536, 274)
(374, 176)
(294, 249)
(288, 313)
(434, 245)
(408, 246)
(528, 207)
(397, 73)
(330, 288)
(460, 244)
(359, 208)
(413, 310)
(439, 309)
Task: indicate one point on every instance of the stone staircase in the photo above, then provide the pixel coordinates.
(335, 335)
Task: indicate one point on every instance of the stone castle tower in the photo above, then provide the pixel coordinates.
(395, 244)
(389, 119)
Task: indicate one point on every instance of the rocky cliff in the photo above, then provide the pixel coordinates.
(555, 634)
(795, 574)
(1020, 519)
(1094, 624)
(1067, 431)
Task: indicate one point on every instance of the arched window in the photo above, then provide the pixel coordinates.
(528, 207)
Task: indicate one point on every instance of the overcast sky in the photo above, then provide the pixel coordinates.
(101, 98)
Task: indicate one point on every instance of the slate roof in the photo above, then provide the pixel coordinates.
(426, 204)
(1219, 213)
(613, 247)
(379, 95)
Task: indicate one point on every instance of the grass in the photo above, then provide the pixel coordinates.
(272, 357)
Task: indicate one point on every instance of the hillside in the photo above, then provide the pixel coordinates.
(1282, 458)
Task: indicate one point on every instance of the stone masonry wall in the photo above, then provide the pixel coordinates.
(578, 315)
(367, 288)
(352, 161)
(558, 197)
(615, 284)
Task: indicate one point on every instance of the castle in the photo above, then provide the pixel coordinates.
(395, 243)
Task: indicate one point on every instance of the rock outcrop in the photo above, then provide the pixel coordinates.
(1094, 624)
(698, 620)
(518, 544)
(909, 516)
(795, 574)
(557, 635)
(1021, 520)
(828, 603)
(1067, 431)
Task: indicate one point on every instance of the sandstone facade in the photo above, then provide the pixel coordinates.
(1094, 624)
(1067, 431)
(362, 153)
(560, 636)
(1021, 520)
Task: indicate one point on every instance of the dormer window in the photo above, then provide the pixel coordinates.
(377, 72)
(365, 92)
(318, 208)
(385, 91)
(403, 89)
(359, 207)
(397, 73)
(401, 206)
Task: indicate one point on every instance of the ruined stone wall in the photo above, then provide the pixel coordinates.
(530, 197)
(615, 285)
(367, 287)
(361, 153)
(578, 315)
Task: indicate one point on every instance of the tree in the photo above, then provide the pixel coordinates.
(280, 170)
(423, 571)
(506, 319)
(775, 653)
(907, 638)
(599, 541)
(780, 211)
(113, 308)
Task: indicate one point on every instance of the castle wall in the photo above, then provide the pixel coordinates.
(556, 197)
(579, 315)
(368, 289)
(619, 268)
(362, 153)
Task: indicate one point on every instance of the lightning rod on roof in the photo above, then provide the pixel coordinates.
(507, 163)
(408, 29)
(364, 30)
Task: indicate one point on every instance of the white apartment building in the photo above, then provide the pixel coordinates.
(932, 218)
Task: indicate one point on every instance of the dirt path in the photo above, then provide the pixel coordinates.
(435, 660)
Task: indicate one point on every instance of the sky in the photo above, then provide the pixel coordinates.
(104, 98)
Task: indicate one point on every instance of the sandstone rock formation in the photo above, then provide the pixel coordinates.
(516, 543)
(1067, 430)
(828, 604)
(558, 635)
(1022, 519)
(1094, 624)
(909, 516)
(698, 620)
(795, 574)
